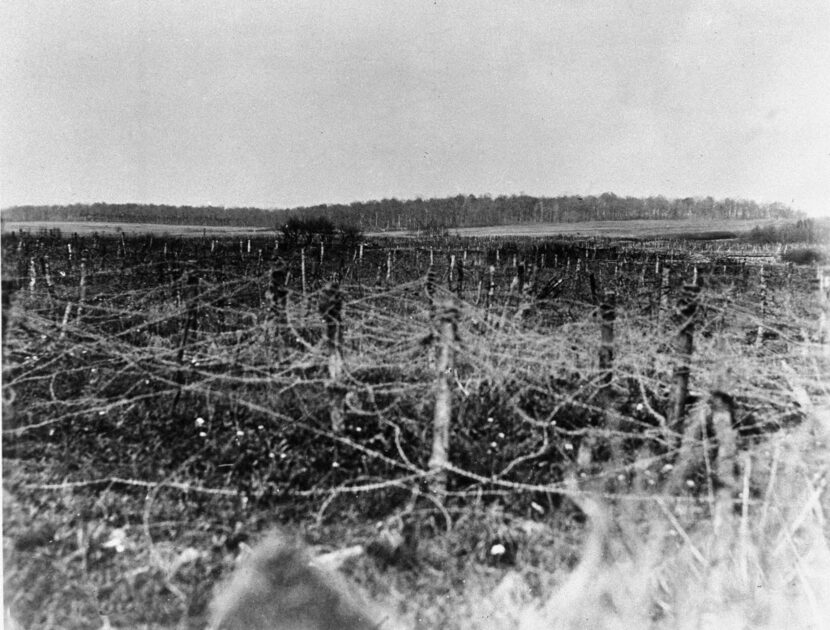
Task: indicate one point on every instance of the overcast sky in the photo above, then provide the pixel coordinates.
(277, 104)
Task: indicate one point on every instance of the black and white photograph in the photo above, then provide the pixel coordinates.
(415, 314)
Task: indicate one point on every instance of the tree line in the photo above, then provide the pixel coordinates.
(144, 213)
(420, 214)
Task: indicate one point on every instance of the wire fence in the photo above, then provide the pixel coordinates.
(122, 369)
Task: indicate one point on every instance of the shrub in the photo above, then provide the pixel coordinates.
(802, 231)
(301, 232)
(804, 256)
(350, 234)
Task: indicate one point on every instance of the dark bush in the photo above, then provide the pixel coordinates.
(715, 235)
(804, 256)
(802, 231)
(301, 232)
(350, 235)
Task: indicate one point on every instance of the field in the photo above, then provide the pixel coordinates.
(86, 228)
(639, 229)
(662, 228)
(567, 432)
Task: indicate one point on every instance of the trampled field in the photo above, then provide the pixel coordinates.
(550, 432)
(643, 229)
(634, 229)
(86, 228)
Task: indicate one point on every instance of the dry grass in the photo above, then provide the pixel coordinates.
(753, 564)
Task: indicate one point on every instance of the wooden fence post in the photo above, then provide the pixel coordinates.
(277, 294)
(685, 315)
(460, 285)
(608, 397)
(822, 283)
(722, 409)
(32, 275)
(9, 287)
(82, 269)
(491, 291)
(448, 327)
(179, 292)
(525, 297)
(331, 310)
(189, 289)
(67, 310)
(663, 311)
(520, 276)
(388, 267)
(302, 272)
(189, 292)
(592, 281)
(608, 313)
(46, 269)
(759, 337)
(430, 287)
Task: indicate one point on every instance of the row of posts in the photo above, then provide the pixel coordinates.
(445, 315)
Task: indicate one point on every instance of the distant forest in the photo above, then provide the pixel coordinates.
(419, 214)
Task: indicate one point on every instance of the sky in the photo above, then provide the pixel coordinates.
(281, 104)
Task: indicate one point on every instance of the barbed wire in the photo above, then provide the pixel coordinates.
(130, 339)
